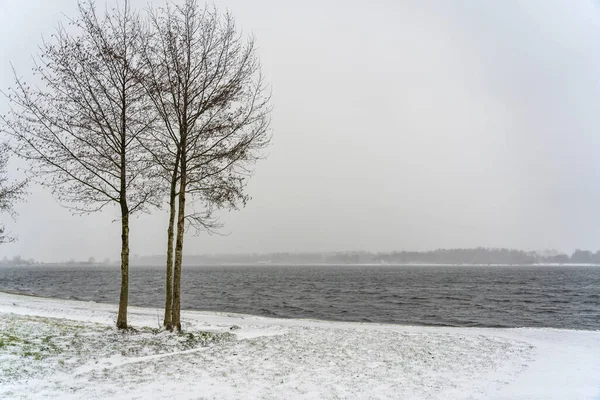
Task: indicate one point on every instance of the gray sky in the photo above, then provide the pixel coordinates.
(396, 125)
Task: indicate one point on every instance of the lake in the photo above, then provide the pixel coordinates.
(484, 296)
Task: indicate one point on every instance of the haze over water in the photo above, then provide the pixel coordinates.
(396, 125)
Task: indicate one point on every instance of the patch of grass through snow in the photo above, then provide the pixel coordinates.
(33, 346)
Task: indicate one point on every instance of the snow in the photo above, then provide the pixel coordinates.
(52, 348)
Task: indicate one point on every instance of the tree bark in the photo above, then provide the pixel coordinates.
(169, 279)
(123, 299)
(168, 320)
(176, 312)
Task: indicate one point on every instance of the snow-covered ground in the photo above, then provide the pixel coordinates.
(68, 349)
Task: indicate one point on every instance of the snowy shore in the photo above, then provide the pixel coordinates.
(53, 348)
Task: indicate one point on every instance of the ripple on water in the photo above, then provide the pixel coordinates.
(560, 297)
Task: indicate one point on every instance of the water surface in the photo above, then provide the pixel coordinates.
(509, 296)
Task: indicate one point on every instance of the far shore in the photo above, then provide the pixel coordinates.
(268, 264)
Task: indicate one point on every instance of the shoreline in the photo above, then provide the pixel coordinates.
(277, 318)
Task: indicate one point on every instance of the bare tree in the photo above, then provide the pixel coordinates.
(10, 193)
(206, 84)
(79, 127)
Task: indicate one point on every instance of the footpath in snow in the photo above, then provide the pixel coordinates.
(69, 349)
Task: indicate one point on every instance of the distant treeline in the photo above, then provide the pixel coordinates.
(478, 256)
(441, 256)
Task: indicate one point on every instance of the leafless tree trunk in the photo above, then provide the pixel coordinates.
(170, 237)
(80, 126)
(176, 310)
(124, 296)
(205, 82)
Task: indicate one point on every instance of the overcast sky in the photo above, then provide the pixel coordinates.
(396, 125)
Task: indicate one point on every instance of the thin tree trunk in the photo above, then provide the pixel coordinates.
(123, 299)
(168, 321)
(176, 312)
(169, 281)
